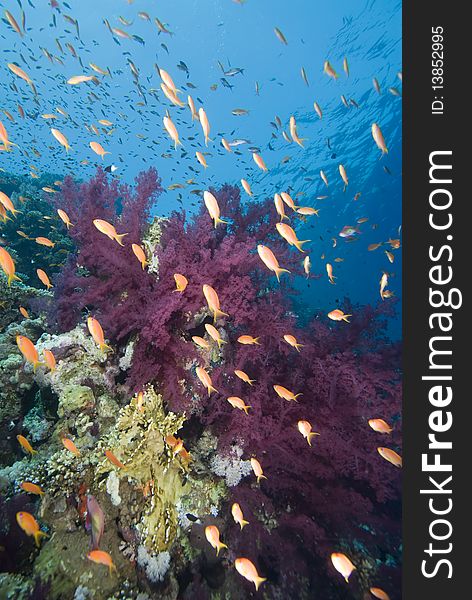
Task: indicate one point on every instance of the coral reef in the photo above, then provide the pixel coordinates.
(124, 408)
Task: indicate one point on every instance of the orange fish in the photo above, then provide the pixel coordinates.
(64, 217)
(200, 342)
(102, 558)
(391, 456)
(212, 534)
(213, 302)
(8, 266)
(215, 334)
(380, 426)
(172, 131)
(181, 282)
(98, 149)
(285, 393)
(42, 275)
(205, 378)
(96, 332)
(304, 427)
(28, 349)
(61, 138)
(140, 255)
(31, 488)
(201, 159)
(11, 19)
(109, 230)
(8, 204)
(112, 458)
(257, 468)
(238, 403)
(338, 315)
(26, 445)
(69, 445)
(238, 515)
(259, 161)
(246, 187)
(279, 207)
(292, 341)
(24, 312)
(372, 247)
(342, 172)
(43, 241)
(290, 236)
(30, 526)
(49, 359)
(270, 261)
(211, 204)
(247, 569)
(379, 593)
(248, 340)
(244, 376)
(328, 69)
(204, 122)
(329, 270)
(288, 200)
(342, 564)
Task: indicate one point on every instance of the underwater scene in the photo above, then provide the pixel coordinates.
(200, 300)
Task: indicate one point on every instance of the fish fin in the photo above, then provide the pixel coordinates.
(243, 523)
(310, 435)
(259, 477)
(218, 220)
(105, 346)
(37, 535)
(219, 313)
(119, 238)
(345, 318)
(245, 409)
(278, 271)
(11, 278)
(220, 547)
(299, 244)
(211, 389)
(258, 581)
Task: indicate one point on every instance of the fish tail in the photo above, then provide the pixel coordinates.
(105, 347)
(211, 389)
(256, 342)
(296, 395)
(278, 271)
(219, 313)
(284, 216)
(311, 435)
(345, 318)
(258, 581)
(243, 523)
(251, 381)
(220, 547)
(111, 568)
(37, 535)
(259, 477)
(220, 342)
(218, 220)
(299, 243)
(298, 346)
(119, 238)
(68, 225)
(245, 409)
(11, 278)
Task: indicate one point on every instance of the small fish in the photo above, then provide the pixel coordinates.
(304, 75)
(338, 315)
(114, 461)
(140, 255)
(379, 593)
(24, 312)
(342, 564)
(379, 138)
(30, 526)
(211, 204)
(329, 271)
(214, 334)
(11, 19)
(201, 342)
(49, 360)
(328, 69)
(212, 535)
(380, 426)
(346, 66)
(181, 282)
(280, 36)
(248, 340)
(172, 131)
(237, 402)
(257, 468)
(248, 570)
(292, 341)
(109, 230)
(98, 149)
(43, 277)
(238, 516)
(8, 266)
(64, 218)
(259, 161)
(205, 124)
(205, 379)
(213, 302)
(24, 443)
(246, 187)
(43, 241)
(97, 334)
(285, 393)
(69, 445)
(270, 261)
(31, 488)
(305, 428)
(102, 558)
(307, 266)
(244, 377)
(391, 456)
(28, 350)
(376, 85)
(342, 172)
(61, 138)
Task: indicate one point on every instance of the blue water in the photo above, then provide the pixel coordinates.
(242, 36)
